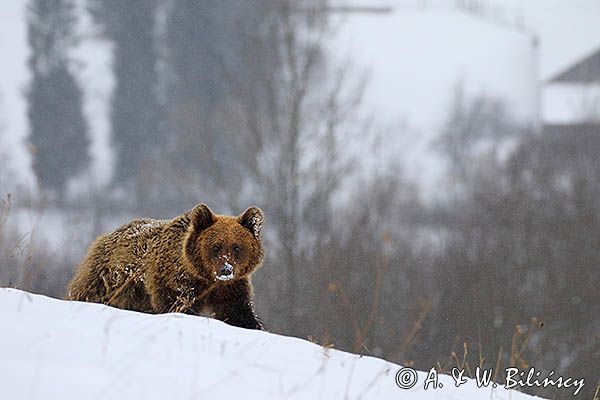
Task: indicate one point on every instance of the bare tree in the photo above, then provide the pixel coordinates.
(295, 116)
(519, 264)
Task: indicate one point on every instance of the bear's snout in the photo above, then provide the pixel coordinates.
(225, 273)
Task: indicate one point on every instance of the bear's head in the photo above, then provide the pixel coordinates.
(223, 248)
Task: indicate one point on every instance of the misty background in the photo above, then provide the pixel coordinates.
(429, 169)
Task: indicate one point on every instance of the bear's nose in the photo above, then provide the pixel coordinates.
(225, 272)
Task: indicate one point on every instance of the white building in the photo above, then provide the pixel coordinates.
(415, 52)
(572, 96)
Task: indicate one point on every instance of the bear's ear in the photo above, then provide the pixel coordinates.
(252, 219)
(201, 217)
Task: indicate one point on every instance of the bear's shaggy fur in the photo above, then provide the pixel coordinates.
(177, 265)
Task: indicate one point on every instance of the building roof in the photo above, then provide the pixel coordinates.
(585, 71)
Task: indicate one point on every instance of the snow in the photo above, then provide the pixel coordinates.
(70, 350)
(226, 272)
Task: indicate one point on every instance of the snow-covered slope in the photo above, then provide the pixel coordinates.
(52, 349)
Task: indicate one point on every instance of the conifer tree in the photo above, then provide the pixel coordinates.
(58, 135)
(135, 110)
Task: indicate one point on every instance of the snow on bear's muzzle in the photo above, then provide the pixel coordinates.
(225, 273)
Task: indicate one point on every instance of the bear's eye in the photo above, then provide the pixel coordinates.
(216, 248)
(236, 249)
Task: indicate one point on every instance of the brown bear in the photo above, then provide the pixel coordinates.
(197, 263)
